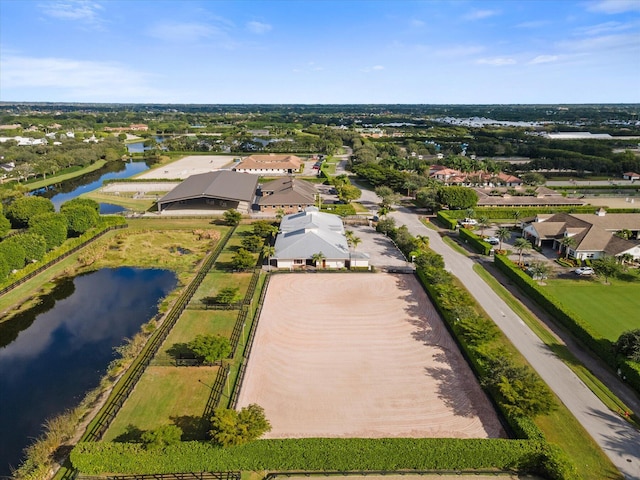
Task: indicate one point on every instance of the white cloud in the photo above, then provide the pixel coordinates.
(415, 23)
(81, 10)
(375, 68)
(599, 29)
(544, 59)
(496, 61)
(258, 27)
(534, 24)
(604, 44)
(78, 79)
(480, 14)
(184, 32)
(459, 50)
(612, 7)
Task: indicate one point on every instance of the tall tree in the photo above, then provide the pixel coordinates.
(607, 267)
(503, 234)
(566, 244)
(521, 244)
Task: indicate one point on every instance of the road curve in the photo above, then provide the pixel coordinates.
(618, 439)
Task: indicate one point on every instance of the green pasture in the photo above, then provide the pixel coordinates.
(146, 408)
(199, 322)
(215, 281)
(610, 309)
(234, 243)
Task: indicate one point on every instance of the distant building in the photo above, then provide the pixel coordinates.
(631, 176)
(287, 194)
(220, 190)
(269, 164)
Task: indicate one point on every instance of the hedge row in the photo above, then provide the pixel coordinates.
(506, 213)
(581, 329)
(447, 220)
(603, 347)
(104, 223)
(320, 454)
(475, 241)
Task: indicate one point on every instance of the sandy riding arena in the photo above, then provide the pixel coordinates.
(190, 165)
(360, 355)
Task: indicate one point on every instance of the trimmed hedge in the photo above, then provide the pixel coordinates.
(631, 372)
(332, 454)
(446, 220)
(506, 213)
(475, 241)
(581, 329)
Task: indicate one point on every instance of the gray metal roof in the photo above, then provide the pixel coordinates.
(304, 234)
(222, 184)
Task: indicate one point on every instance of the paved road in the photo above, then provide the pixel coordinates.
(619, 440)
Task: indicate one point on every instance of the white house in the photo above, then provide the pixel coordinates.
(305, 234)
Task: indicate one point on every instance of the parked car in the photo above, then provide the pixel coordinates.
(492, 240)
(468, 221)
(584, 271)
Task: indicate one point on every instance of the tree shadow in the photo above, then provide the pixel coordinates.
(193, 427)
(180, 350)
(132, 434)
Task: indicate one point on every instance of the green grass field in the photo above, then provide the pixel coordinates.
(610, 309)
(215, 281)
(145, 409)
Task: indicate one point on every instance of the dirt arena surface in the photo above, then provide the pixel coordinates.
(360, 355)
(190, 165)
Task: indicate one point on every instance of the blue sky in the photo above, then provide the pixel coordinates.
(323, 51)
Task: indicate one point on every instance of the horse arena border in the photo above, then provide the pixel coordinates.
(360, 356)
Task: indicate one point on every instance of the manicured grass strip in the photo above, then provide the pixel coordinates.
(593, 302)
(139, 205)
(311, 454)
(51, 180)
(455, 245)
(561, 351)
(429, 224)
(147, 409)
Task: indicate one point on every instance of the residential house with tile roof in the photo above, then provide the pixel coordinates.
(593, 234)
(269, 164)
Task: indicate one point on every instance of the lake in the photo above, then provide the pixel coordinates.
(53, 354)
(70, 189)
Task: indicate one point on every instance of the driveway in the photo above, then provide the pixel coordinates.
(617, 438)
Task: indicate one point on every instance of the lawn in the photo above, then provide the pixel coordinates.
(199, 322)
(145, 409)
(610, 309)
(215, 281)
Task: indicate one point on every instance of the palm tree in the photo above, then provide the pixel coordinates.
(567, 243)
(539, 270)
(483, 222)
(349, 235)
(317, 257)
(268, 251)
(503, 233)
(521, 244)
(355, 241)
(516, 215)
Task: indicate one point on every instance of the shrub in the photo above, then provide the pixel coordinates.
(162, 436)
(5, 225)
(81, 202)
(232, 217)
(230, 427)
(4, 268)
(628, 345)
(80, 218)
(34, 244)
(52, 226)
(210, 348)
(23, 209)
(13, 253)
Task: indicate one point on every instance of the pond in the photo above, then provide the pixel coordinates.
(65, 191)
(53, 354)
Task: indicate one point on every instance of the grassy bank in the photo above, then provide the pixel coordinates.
(61, 177)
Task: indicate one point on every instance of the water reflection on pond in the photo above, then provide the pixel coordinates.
(53, 354)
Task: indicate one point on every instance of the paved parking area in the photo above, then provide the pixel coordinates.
(382, 252)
